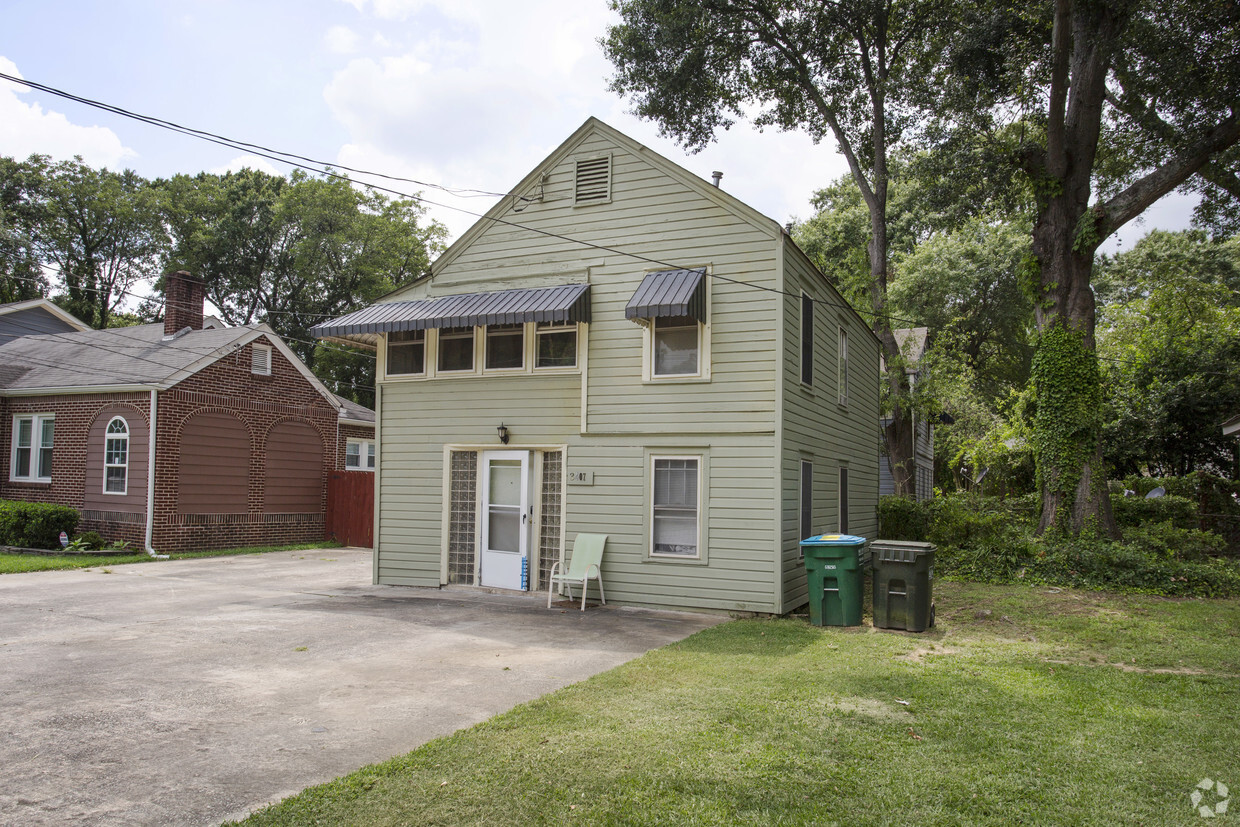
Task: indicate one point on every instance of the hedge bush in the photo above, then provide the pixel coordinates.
(1137, 511)
(35, 525)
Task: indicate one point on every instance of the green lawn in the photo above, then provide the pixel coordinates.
(1057, 708)
(17, 563)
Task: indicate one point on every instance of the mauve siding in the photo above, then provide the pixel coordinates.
(214, 471)
(133, 501)
(294, 469)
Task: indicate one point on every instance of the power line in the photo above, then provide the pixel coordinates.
(284, 158)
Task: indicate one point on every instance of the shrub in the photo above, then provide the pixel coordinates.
(1169, 541)
(1138, 511)
(91, 539)
(1093, 562)
(35, 525)
(903, 518)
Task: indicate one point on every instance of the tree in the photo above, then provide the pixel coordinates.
(294, 251)
(1169, 337)
(21, 212)
(851, 69)
(1118, 101)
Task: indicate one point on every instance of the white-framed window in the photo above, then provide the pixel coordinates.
(406, 353)
(676, 506)
(807, 500)
(843, 366)
(807, 339)
(33, 435)
(260, 360)
(456, 349)
(677, 346)
(555, 345)
(359, 455)
(116, 457)
(505, 346)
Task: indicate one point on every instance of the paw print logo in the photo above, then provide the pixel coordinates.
(1210, 798)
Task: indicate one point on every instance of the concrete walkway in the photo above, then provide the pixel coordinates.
(194, 691)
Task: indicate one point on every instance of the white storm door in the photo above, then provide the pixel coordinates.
(505, 519)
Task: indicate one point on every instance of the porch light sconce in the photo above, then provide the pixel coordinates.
(503, 433)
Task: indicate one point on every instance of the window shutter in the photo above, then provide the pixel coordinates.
(593, 181)
(260, 360)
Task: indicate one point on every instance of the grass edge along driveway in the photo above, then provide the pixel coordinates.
(1057, 707)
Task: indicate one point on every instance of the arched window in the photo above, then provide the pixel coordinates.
(116, 457)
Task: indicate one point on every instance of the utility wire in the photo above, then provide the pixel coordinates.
(284, 158)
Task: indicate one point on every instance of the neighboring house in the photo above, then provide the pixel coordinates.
(620, 347)
(245, 433)
(1231, 426)
(357, 437)
(912, 343)
(30, 318)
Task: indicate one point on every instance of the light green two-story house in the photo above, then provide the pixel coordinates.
(620, 347)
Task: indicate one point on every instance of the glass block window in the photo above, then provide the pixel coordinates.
(549, 531)
(462, 504)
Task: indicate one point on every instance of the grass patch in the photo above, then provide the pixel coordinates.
(18, 563)
(1064, 707)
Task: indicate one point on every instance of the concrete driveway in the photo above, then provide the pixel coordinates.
(193, 691)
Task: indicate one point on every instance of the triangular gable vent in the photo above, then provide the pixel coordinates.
(593, 181)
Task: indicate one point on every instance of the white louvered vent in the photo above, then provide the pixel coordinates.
(593, 182)
(260, 360)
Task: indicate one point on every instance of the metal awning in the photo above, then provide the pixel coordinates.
(669, 293)
(563, 303)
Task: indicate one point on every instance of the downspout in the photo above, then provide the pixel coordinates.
(152, 428)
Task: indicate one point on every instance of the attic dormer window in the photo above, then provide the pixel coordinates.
(592, 183)
(260, 360)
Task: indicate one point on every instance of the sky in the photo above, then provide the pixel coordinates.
(464, 94)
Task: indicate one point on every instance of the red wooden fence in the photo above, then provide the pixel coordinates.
(351, 507)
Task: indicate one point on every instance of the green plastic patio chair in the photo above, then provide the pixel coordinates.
(582, 566)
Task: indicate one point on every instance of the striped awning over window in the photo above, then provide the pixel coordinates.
(563, 303)
(669, 293)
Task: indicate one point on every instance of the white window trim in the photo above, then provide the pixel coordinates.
(530, 349)
(107, 437)
(704, 337)
(254, 358)
(36, 436)
(534, 336)
(841, 358)
(363, 454)
(426, 352)
(702, 470)
(525, 351)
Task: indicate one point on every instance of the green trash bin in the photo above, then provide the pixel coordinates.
(833, 566)
(903, 578)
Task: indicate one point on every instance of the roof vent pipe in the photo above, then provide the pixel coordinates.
(715, 176)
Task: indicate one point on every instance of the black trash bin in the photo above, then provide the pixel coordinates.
(835, 568)
(903, 578)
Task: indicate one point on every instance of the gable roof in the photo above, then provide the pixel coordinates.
(47, 306)
(354, 413)
(1232, 426)
(127, 359)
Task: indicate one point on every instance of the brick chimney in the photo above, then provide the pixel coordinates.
(183, 294)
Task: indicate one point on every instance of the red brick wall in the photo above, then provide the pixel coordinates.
(70, 444)
(260, 402)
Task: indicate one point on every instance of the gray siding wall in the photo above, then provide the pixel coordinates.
(816, 427)
(33, 321)
(729, 420)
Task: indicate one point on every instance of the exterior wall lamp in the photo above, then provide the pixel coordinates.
(503, 433)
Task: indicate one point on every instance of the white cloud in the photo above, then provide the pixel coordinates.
(27, 128)
(341, 40)
(247, 162)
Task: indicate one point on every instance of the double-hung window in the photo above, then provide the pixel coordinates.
(406, 353)
(807, 340)
(677, 346)
(456, 349)
(359, 455)
(32, 447)
(807, 500)
(556, 345)
(843, 366)
(676, 507)
(116, 457)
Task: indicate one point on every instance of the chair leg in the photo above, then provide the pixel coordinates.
(585, 587)
(602, 597)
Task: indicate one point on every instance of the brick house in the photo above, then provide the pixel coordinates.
(244, 437)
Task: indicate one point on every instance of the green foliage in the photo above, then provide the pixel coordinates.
(90, 539)
(35, 525)
(903, 518)
(21, 211)
(1169, 540)
(1068, 391)
(1136, 511)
